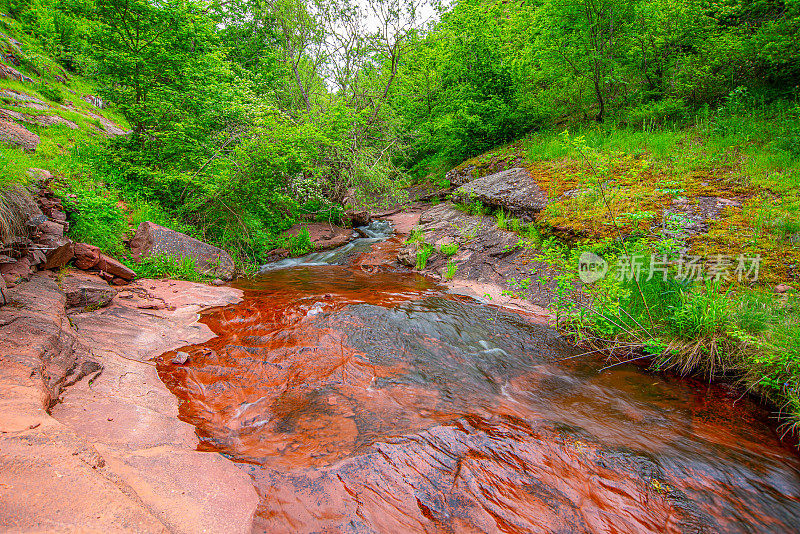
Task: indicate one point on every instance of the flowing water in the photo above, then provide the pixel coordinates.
(365, 399)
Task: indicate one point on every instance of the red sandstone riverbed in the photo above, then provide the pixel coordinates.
(362, 399)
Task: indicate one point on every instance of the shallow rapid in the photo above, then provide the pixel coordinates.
(364, 398)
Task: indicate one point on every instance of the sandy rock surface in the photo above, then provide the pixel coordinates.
(110, 454)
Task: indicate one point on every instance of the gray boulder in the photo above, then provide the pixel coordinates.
(152, 239)
(513, 190)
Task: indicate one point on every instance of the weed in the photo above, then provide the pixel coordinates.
(450, 270)
(423, 254)
(449, 249)
(164, 266)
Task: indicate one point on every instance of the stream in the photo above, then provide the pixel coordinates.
(362, 397)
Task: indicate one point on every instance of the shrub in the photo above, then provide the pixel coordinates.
(450, 272)
(96, 217)
(423, 254)
(51, 93)
(449, 249)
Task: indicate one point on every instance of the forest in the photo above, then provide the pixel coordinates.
(247, 116)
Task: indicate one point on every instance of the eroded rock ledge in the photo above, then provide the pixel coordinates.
(89, 435)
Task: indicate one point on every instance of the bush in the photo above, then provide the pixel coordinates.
(51, 93)
(96, 217)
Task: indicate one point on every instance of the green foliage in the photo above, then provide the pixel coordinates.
(96, 217)
(449, 249)
(300, 243)
(423, 254)
(51, 93)
(164, 266)
(450, 270)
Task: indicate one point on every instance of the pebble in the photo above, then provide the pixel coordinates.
(180, 358)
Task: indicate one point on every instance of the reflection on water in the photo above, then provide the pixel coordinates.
(375, 402)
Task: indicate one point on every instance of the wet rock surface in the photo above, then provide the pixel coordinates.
(486, 254)
(380, 403)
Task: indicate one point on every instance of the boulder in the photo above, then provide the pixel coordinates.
(358, 217)
(276, 255)
(112, 266)
(52, 228)
(513, 190)
(96, 101)
(40, 175)
(153, 239)
(3, 289)
(15, 273)
(59, 252)
(86, 291)
(86, 256)
(15, 135)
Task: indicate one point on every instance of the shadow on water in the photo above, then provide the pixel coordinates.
(376, 402)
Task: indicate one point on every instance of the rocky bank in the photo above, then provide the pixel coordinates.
(90, 436)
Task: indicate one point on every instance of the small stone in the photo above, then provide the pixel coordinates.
(218, 282)
(783, 288)
(180, 358)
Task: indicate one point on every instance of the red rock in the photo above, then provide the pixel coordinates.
(62, 252)
(151, 238)
(119, 281)
(40, 175)
(83, 290)
(14, 134)
(3, 298)
(106, 276)
(57, 215)
(112, 266)
(276, 255)
(86, 256)
(52, 228)
(324, 235)
(7, 72)
(36, 256)
(16, 272)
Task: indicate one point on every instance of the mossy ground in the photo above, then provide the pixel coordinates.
(735, 177)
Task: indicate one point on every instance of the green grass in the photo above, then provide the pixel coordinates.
(165, 266)
(449, 249)
(423, 254)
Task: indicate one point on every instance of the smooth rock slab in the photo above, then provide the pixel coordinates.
(86, 291)
(16, 135)
(151, 239)
(513, 190)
